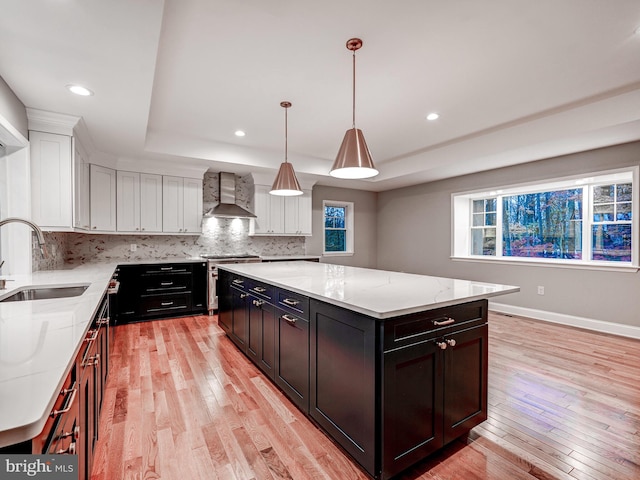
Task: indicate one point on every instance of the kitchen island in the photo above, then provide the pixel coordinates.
(392, 366)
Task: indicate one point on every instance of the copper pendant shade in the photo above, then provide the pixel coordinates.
(286, 183)
(354, 159)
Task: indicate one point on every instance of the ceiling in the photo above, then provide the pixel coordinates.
(513, 80)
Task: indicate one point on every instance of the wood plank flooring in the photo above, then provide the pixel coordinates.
(182, 403)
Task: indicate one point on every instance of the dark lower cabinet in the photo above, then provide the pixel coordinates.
(261, 335)
(292, 357)
(390, 392)
(152, 291)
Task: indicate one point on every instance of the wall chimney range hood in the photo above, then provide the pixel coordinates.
(227, 208)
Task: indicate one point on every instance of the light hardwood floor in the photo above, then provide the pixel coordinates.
(182, 403)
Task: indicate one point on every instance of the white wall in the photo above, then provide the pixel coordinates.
(414, 235)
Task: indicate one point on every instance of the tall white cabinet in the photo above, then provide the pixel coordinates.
(139, 202)
(51, 180)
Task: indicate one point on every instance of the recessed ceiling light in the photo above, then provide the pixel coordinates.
(240, 133)
(433, 116)
(80, 90)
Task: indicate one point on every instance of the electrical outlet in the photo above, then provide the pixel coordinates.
(133, 247)
(540, 290)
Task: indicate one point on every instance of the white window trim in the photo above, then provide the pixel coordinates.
(460, 221)
(349, 214)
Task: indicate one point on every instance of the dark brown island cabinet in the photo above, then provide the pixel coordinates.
(390, 392)
(72, 426)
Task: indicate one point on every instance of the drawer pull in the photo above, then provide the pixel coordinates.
(451, 342)
(92, 335)
(166, 304)
(165, 284)
(258, 303)
(95, 361)
(290, 301)
(288, 319)
(259, 289)
(448, 321)
(72, 398)
(243, 295)
(166, 268)
(71, 450)
(238, 281)
(442, 345)
(75, 433)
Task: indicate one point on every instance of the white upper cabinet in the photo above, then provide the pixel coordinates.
(139, 202)
(181, 205)
(81, 211)
(277, 215)
(269, 213)
(51, 180)
(128, 201)
(297, 214)
(103, 199)
(150, 202)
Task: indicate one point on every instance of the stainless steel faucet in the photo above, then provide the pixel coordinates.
(35, 228)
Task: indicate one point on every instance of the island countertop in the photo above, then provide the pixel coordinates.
(377, 293)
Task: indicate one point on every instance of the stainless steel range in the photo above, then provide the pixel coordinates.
(212, 278)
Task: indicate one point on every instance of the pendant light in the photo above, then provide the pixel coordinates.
(286, 183)
(354, 159)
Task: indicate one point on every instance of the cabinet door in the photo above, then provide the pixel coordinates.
(150, 202)
(297, 214)
(412, 405)
(342, 384)
(269, 210)
(51, 180)
(239, 318)
(261, 335)
(103, 199)
(192, 216)
(128, 201)
(81, 213)
(465, 381)
(172, 204)
(292, 358)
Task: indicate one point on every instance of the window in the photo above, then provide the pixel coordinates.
(577, 221)
(338, 228)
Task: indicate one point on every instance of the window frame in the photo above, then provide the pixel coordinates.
(349, 222)
(461, 220)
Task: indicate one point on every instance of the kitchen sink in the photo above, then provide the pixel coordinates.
(46, 292)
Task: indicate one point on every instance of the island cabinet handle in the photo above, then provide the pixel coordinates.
(165, 284)
(243, 295)
(166, 304)
(69, 451)
(259, 289)
(258, 303)
(448, 321)
(290, 301)
(72, 398)
(238, 281)
(92, 335)
(442, 345)
(288, 319)
(451, 342)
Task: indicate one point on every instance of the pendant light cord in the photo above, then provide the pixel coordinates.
(286, 135)
(354, 91)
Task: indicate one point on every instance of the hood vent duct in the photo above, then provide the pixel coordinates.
(227, 208)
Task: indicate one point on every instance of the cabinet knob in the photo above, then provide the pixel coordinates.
(451, 342)
(137, 228)
(94, 227)
(442, 345)
(70, 451)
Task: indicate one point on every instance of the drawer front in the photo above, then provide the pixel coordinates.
(293, 302)
(166, 268)
(261, 290)
(238, 281)
(160, 304)
(167, 283)
(403, 331)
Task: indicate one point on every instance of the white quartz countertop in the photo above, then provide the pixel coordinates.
(281, 258)
(39, 341)
(376, 293)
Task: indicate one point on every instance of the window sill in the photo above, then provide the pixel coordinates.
(337, 254)
(551, 263)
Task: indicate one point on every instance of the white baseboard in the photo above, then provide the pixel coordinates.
(581, 322)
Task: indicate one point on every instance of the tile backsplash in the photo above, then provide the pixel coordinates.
(219, 236)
